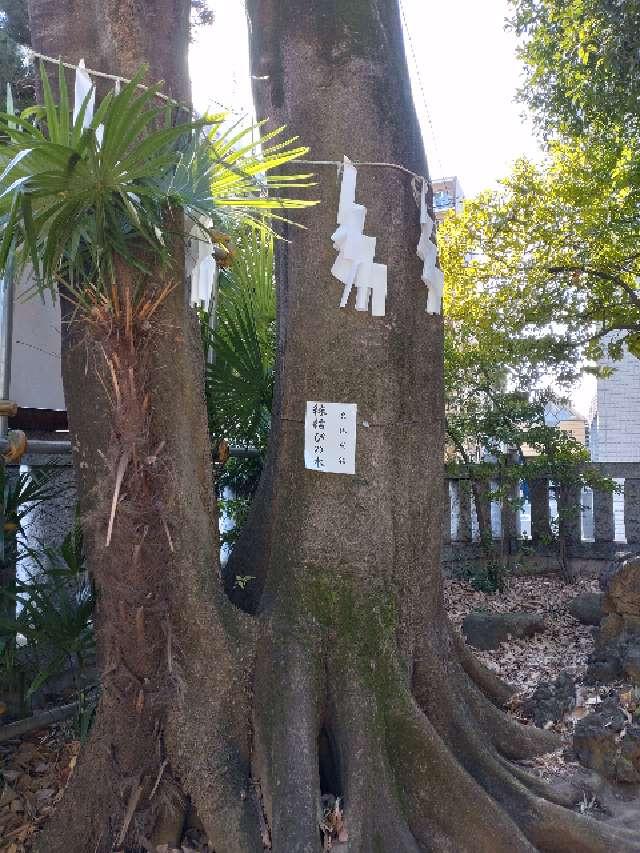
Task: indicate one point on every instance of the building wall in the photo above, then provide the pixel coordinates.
(447, 195)
(36, 375)
(576, 428)
(616, 425)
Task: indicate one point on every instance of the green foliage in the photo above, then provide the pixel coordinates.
(54, 609)
(569, 229)
(551, 258)
(583, 62)
(72, 199)
(240, 344)
(14, 68)
(555, 248)
(15, 20)
(489, 576)
(235, 510)
(24, 491)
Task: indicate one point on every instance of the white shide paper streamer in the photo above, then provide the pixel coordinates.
(355, 263)
(202, 265)
(427, 251)
(84, 86)
(200, 259)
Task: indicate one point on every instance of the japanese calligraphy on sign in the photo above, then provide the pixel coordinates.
(330, 437)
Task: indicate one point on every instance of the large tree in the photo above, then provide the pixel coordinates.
(355, 686)
(582, 59)
(547, 265)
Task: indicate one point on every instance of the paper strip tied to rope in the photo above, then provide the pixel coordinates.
(427, 251)
(355, 265)
(201, 264)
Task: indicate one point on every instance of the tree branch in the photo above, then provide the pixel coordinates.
(631, 293)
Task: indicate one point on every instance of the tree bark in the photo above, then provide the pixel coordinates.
(171, 731)
(354, 647)
(358, 690)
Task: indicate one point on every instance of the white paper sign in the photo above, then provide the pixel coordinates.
(330, 437)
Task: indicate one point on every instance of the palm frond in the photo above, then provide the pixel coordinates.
(239, 379)
(71, 198)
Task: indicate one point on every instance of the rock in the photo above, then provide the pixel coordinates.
(631, 662)
(488, 630)
(587, 608)
(549, 702)
(617, 651)
(611, 627)
(606, 742)
(610, 570)
(614, 660)
(604, 664)
(620, 583)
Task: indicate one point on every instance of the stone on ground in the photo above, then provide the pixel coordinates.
(488, 630)
(587, 608)
(607, 742)
(617, 651)
(550, 701)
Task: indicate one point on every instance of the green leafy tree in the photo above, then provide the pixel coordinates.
(553, 255)
(583, 62)
(507, 354)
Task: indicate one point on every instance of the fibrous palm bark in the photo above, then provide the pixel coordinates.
(170, 732)
(357, 688)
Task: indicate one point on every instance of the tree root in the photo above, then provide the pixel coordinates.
(373, 812)
(512, 739)
(286, 741)
(537, 786)
(448, 810)
(559, 830)
(549, 826)
(494, 688)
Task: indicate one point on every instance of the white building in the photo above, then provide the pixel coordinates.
(615, 427)
(447, 195)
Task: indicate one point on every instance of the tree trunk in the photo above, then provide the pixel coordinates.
(359, 689)
(482, 503)
(171, 730)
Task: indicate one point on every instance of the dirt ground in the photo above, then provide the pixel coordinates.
(563, 647)
(36, 768)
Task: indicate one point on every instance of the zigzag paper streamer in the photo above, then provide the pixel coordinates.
(355, 264)
(427, 251)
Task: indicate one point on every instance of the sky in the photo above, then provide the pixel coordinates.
(464, 73)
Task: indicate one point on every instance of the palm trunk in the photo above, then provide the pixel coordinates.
(170, 732)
